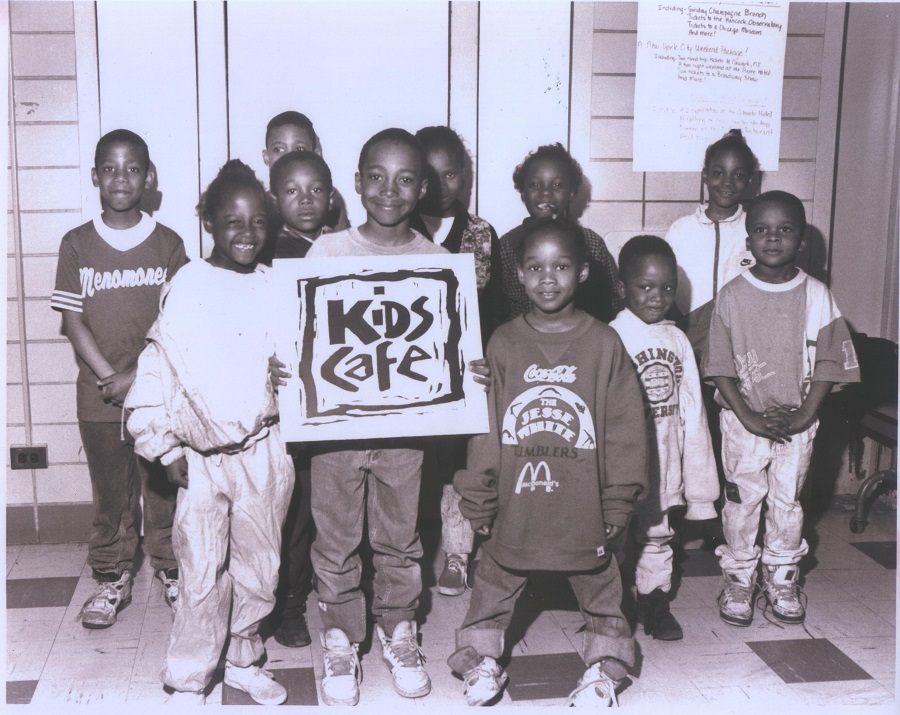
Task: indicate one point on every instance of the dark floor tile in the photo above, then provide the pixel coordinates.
(699, 562)
(808, 660)
(40, 592)
(299, 682)
(884, 552)
(20, 692)
(540, 677)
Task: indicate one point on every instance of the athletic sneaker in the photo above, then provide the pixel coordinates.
(340, 686)
(402, 654)
(112, 595)
(259, 684)
(783, 593)
(169, 578)
(453, 581)
(736, 600)
(596, 688)
(484, 682)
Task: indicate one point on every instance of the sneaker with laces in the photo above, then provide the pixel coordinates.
(169, 578)
(402, 654)
(783, 593)
(112, 595)
(453, 579)
(259, 684)
(340, 686)
(484, 682)
(596, 688)
(736, 600)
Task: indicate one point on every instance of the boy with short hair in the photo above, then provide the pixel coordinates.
(108, 281)
(300, 182)
(353, 478)
(555, 479)
(292, 131)
(682, 466)
(777, 344)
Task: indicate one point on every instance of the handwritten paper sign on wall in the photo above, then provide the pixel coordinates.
(378, 347)
(702, 69)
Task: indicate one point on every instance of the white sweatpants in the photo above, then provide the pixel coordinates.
(654, 563)
(758, 469)
(234, 503)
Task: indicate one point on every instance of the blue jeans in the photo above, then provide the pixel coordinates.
(375, 482)
(599, 593)
(114, 469)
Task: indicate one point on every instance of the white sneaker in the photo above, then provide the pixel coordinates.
(169, 579)
(112, 595)
(783, 593)
(402, 654)
(484, 682)
(186, 699)
(736, 600)
(594, 689)
(259, 684)
(340, 686)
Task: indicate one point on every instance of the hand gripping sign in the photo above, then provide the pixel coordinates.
(378, 347)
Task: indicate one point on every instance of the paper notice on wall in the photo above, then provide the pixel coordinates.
(702, 69)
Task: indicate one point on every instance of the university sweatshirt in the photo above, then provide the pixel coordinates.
(682, 468)
(566, 453)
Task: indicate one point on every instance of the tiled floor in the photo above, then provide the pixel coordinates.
(845, 656)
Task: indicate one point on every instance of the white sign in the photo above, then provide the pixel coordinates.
(378, 347)
(702, 69)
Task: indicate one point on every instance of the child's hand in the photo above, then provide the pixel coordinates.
(481, 372)
(613, 532)
(114, 387)
(798, 421)
(772, 424)
(277, 375)
(484, 530)
(177, 472)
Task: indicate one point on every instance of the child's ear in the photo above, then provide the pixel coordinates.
(150, 178)
(620, 290)
(423, 189)
(520, 272)
(207, 226)
(357, 183)
(331, 199)
(265, 156)
(583, 273)
(95, 180)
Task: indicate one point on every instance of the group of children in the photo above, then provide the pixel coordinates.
(591, 423)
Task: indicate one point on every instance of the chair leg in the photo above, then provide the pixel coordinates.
(859, 521)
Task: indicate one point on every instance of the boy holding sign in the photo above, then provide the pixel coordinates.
(372, 481)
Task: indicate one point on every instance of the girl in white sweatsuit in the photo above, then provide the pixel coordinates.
(202, 403)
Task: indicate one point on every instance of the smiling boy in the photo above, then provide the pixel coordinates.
(108, 282)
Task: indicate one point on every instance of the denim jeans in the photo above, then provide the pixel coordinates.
(758, 469)
(295, 576)
(114, 467)
(599, 594)
(372, 482)
(445, 454)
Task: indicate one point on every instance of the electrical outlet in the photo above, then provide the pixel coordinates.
(28, 457)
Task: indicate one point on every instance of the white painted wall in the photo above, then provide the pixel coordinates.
(147, 84)
(523, 97)
(353, 68)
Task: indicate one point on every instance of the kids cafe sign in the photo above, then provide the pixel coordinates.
(378, 347)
